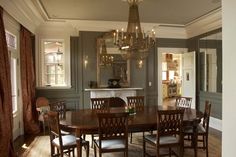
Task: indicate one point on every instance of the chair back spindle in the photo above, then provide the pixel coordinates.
(183, 102)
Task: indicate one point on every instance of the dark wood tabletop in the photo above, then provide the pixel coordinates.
(143, 120)
(86, 122)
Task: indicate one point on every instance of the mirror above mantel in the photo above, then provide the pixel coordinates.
(110, 63)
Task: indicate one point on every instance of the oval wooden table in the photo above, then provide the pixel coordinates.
(85, 121)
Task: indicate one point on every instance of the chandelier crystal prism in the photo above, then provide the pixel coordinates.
(134, 43)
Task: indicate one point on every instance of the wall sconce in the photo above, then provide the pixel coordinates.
(85, 61)
(140, 63)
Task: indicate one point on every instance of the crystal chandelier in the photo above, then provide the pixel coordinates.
(134, 43)
(105, 58)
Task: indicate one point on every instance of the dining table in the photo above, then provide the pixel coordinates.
(85, 121)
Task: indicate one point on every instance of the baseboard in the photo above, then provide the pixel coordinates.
(216, 123)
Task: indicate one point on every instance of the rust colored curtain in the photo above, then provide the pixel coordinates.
(28, 82)
(6, 139)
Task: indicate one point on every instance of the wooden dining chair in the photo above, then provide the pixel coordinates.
(42, 107)
(99, 105)
(169, 132)
(202, 128)
(116, 102)
(60, 107)
(183, 102)
(113, 133)
(138, 103)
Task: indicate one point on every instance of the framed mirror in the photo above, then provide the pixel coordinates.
(110, 64)
(210, 48)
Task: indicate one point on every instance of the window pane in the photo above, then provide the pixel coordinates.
(54, 63)
(14, 84)
(59, 69)
(60, 79)
(50, 69)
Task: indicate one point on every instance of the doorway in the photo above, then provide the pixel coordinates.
(176, 75)
(171, 77)
(170, 74)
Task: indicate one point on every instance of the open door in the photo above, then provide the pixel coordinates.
(189, 76)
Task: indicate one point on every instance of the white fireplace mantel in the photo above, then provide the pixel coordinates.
(112, 92)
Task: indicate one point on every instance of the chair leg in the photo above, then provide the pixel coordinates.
(43, 128)
(169, 152)
(126, 154)
(92, 144)
(144, 147)
(73, 152)
(95, 151)
(131, 137)
(87, 150)
(181, 150)
(206, 145)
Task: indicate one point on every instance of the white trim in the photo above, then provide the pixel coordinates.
(204, 24)
(215, 123)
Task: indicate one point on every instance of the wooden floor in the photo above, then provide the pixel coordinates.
(39, 146)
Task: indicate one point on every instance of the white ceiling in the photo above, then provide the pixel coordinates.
(180, 12)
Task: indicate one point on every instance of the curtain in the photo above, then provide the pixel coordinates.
(6, 139)
(28, 82)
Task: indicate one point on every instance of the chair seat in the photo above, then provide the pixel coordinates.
(111, 144)
(163, 139)
(200, 128)
(67, 140)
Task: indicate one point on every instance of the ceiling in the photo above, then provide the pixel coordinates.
(179, 12)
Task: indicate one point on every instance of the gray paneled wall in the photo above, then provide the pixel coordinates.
(216, 102)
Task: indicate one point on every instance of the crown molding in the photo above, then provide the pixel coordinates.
(204, 24)
(23, 12)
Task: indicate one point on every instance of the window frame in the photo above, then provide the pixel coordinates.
(41, 65)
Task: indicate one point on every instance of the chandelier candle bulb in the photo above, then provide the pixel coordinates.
(117, 35)
(136, 31)
(122, 33)
(114, 37)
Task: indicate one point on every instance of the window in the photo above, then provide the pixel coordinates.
(53, 64)
(12, 49)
